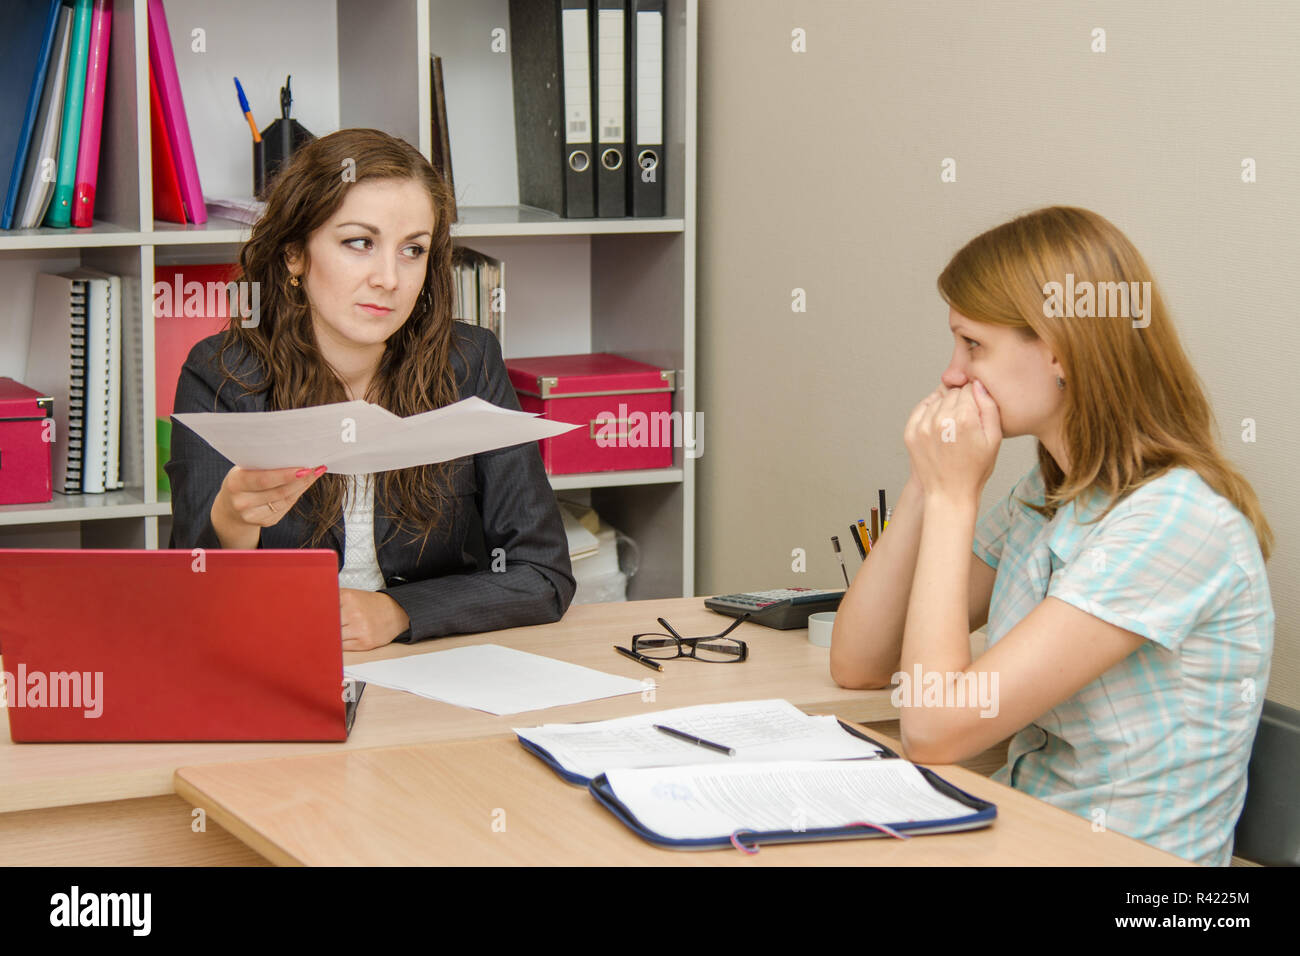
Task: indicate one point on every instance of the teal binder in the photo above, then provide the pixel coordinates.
(60, 213)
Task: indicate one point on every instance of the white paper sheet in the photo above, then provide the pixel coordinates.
(492, 678)
(758, 730)
(715, 801)
(356, 438)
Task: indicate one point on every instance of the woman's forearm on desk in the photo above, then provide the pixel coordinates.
(867, 639)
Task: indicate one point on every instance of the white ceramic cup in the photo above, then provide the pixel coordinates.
(819, 628)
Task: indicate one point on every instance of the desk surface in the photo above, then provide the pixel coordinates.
(781, 664)
(446, 803)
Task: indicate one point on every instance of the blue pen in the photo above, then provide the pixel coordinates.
(248, 113)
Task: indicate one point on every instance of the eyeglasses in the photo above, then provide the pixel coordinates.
(715, 649)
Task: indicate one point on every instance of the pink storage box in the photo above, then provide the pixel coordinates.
(26, 443)
(623, 406)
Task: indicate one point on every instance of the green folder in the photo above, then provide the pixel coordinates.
(65, 186)
(164, 454)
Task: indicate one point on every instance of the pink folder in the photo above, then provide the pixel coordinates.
(92, 117)
(163, 61)
(167, 204)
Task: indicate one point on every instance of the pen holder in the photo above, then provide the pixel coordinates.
(279, 142)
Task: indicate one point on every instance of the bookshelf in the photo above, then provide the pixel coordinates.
(614, 285)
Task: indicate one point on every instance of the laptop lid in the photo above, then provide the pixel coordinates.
(157, 645)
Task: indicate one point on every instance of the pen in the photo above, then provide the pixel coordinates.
(883, 509)
(888, 514)
(865, 534)
(835, 540)
(639, 658)
(286, 128)
(875, 524)
(248, 113)
(699, 741)
(857, 539)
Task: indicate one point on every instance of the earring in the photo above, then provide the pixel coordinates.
(1060, 383)
(293, 281)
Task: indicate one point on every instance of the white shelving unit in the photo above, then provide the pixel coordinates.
(608, 285)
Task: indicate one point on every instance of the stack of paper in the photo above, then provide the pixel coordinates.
(247, 211)
(582, 543)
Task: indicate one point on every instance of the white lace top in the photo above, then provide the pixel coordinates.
(360, 563)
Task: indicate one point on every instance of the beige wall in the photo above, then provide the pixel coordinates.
(820, 171)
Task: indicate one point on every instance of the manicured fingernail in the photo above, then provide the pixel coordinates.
(302, 471)
(320, 470)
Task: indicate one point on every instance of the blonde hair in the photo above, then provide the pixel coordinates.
(1111, 366)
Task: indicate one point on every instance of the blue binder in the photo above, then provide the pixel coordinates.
(982, 814)
(22, 67)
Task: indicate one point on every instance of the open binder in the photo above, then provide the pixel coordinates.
(795, 778)
(981, 813)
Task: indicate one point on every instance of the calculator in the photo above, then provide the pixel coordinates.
(783, 609)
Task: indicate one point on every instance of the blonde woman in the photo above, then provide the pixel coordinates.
(1122, 579)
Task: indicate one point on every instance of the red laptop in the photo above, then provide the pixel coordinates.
(170, 645)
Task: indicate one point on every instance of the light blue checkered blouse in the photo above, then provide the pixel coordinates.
(1157, 747)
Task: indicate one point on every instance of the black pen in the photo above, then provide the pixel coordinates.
(835, 540)
(638, 658)
(698, 741)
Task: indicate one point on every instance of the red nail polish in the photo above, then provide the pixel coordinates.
(302, 471)
(320, 470)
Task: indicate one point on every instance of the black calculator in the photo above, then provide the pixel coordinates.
(783, 609)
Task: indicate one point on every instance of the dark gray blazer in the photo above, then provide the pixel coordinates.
(499, 499)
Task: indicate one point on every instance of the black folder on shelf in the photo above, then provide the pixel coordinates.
(645, 57)
(550, 56)
(609, 97)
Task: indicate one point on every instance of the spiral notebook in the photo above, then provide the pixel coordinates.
(75, 356)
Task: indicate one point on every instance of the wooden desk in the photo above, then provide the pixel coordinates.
(436, 805)
(68, 803)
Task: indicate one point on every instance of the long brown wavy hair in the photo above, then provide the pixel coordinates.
(1134, 406)
(414, 373)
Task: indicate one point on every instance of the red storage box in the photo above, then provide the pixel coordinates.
(624, 408)
(26, 442)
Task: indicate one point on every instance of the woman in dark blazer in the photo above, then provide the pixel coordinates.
(352, 261)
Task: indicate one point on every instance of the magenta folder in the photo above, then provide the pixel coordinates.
(92, 117)
(163, 62)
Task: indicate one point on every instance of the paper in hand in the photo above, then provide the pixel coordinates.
(357, 438)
